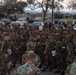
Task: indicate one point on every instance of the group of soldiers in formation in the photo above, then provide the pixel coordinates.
(37, 50)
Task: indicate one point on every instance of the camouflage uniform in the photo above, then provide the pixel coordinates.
(36, 58)
(16, 51)
(40, 49)
(3, 63)
(70, 53)
(27, 69)
(71, 69)
(61, 54)
(51, 59)
(30, 45)
(74, 45)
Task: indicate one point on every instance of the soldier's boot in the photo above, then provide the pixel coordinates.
(62, 73)
(57, 71)
(50, 69)
(44, 69)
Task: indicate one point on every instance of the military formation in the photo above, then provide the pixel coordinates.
(37, 50)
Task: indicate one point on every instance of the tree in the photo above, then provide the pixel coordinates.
(46, 5)
(10, 1)
(72, 4)
(17, 7)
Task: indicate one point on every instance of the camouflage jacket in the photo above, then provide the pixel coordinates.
(27, 69)
(3, 61)
(71, 69)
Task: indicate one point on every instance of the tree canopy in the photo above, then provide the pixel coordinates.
(46, 5)
(11, 7)
(72, 4)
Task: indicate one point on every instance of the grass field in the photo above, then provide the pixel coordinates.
(69, 20)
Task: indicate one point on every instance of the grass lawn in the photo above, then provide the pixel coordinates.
(69, 20)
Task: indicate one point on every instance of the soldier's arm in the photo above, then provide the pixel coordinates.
(27, 47)
(14, 46)
(34, 46)
(19, 46)
(45, 49)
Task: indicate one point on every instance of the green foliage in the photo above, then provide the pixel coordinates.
(72, 4)
(14, 7)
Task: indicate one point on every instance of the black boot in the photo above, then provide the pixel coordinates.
(44, 69)
(57, 71)
(62, 73)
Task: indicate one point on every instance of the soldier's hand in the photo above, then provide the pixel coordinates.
(17, 49)
(44, 52)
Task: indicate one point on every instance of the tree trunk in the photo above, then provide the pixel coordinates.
(44, 15)
(52, 11)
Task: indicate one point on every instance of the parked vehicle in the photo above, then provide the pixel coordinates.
(31, 19)
(56, 21)
(74, 27)
(2, 23)
(74, 23)
(62, 22)
(56, 26)
(22, 20)
(48, 23)
(38, 24)
(6, 21)
(16, 23)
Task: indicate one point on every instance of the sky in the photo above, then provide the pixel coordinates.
(65, 10)
(65, 3)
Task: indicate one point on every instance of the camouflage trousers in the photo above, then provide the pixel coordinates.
(4, 73)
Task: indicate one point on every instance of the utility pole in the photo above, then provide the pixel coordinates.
(52, 11)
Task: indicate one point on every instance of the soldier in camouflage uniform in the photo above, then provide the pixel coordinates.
(71, 69)
(40, 49)
(74, 44)
(16, 51)
(28, 68)
(71, 50)
(50, 55)
(31, 43)
(70, 53)
(3, 61)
